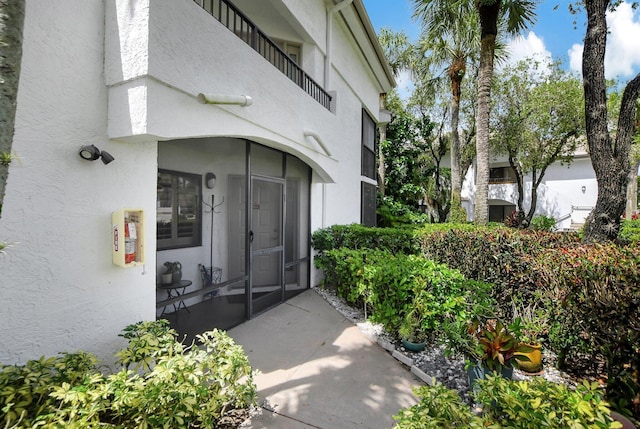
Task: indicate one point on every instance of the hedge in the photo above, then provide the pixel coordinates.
(595, 293)
(590, 293)
(391, 286)
(354, 236)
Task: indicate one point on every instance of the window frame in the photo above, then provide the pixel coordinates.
(368, 169)
(368, 145)
(368, 217)
(195, 239)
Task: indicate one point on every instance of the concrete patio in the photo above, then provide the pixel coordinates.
(317, 370)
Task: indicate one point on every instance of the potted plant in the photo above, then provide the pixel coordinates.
(167, 276)
(175, 269)
(496, 347)
(411, 332)
(531, 324)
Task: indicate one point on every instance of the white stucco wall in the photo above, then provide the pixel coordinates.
(60, 290)
(190, 52)
(560, 194)
(122, 75)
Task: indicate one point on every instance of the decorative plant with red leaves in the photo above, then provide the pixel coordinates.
(496, 345)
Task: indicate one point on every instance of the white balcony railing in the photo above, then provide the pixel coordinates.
(231, 17)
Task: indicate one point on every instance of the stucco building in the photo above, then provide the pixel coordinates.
(235, 131)
(567, 193)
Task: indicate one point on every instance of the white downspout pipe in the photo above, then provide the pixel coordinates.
(327, 58)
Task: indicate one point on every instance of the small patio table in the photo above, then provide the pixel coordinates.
(175, 290)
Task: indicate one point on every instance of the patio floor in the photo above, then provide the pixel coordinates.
(317, 370)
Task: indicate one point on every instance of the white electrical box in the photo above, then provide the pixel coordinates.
(128, 237)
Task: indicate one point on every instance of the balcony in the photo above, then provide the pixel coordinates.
(501, 176)
(229, 16)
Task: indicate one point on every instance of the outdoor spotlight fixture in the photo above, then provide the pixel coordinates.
(210, 180)
(584, 189)
(91, 153)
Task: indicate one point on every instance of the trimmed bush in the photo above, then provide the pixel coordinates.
(354, 236)
(500, 256)
(391, 286)
(590, 294)
(511, 404)
(596, 296)
(175, 386)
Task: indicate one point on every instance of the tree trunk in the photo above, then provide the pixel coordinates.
(535, 183)
(610, 162)
(520, 187)
(632, 191)
(489, 28)
(11, 24)
(456, 74)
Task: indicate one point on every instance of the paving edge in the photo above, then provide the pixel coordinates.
(426, 378)
(423, 375)
(387, 345)
(402, 358)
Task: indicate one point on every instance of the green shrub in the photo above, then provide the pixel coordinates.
(354, 236)
(393, 213)
(25, 389)
(510, 404)
(596, 296)
(146, 342)
(176, 386)
(630, 231)
(540, 403)
(393, 285)
(543, 223)
(439, 408)
(588, 293)
(500, 256)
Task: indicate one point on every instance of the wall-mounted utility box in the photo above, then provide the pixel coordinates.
(128, 237)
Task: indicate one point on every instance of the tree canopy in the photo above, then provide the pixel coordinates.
(537, 121)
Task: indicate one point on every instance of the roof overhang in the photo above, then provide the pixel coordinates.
(358, 22)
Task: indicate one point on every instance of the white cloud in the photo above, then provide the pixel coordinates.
(623, 50)
(530, 46)
(404, 84)
(575, 57)
(622, 58)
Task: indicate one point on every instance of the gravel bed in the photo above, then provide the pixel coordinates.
(432, 361)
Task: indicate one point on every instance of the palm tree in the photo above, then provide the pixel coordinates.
(449, 40)
(397, 48)
(516, 16)
(11, 24)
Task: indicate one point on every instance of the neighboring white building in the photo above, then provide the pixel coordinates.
(567, 193)
(293, 152)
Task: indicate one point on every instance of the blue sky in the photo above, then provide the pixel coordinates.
(554, 34)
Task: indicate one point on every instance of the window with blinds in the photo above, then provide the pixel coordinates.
(179, 211)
